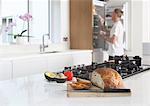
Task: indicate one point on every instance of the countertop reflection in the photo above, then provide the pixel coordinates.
(36, 90)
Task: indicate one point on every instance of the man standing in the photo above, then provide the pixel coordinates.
(115, 40)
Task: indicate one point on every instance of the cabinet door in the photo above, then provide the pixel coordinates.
(5, 70)
(81, 34)
(82, 58)
(58, 62)
(27, 66)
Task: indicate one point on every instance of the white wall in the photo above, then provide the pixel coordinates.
(39, 24)
(55, 21)
(146, 21)
(0, 6)
(146, 27)
(0, 15)
(13, 7)
(65, 23)
(60, 20)
(136, 28)
(65, 18)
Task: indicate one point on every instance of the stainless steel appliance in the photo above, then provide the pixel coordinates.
(105, 9)
(125, 66)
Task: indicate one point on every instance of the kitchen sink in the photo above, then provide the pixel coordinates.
(47, 52)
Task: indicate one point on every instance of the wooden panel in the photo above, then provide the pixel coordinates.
(81, 24)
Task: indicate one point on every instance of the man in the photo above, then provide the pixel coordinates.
(115, 40)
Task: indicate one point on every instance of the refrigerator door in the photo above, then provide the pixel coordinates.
(98, 41)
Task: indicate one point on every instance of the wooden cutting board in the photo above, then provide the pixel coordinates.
(94, 92)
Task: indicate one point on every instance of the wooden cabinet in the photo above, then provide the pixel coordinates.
(81, 24)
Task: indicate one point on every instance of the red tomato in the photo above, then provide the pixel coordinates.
(69, 75)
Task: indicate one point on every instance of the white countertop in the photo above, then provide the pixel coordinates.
(8, 56)
(35, 90)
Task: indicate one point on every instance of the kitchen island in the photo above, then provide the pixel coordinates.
(35, 90)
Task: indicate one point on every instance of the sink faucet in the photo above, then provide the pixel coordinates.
(43, 46)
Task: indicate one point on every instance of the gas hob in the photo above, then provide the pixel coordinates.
(125, 66)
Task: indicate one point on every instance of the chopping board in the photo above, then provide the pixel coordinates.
(94, 92)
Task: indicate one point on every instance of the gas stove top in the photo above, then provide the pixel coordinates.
(125, 66)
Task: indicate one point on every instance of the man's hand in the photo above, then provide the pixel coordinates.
(102, 20)
(112, 39)
(102, 33)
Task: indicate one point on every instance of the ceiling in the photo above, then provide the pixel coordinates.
(109, 2)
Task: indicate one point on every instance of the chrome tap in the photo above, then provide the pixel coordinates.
(43, 46)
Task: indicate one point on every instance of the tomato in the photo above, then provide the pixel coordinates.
(69, 75)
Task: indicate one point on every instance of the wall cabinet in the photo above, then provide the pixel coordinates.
(5, 69)
(81, 24)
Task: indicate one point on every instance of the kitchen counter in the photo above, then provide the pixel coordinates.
(8, 56)
(35, 90)
(22, 64)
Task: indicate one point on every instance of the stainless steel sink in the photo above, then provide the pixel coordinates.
(47, 52)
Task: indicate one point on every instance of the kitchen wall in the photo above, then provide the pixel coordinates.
(64, 21)
(29, 49)
(136, 27)
(146, 21)
(0, 18)
(0, 6)
(146, 27)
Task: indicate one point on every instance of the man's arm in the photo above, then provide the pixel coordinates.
(112, 39)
